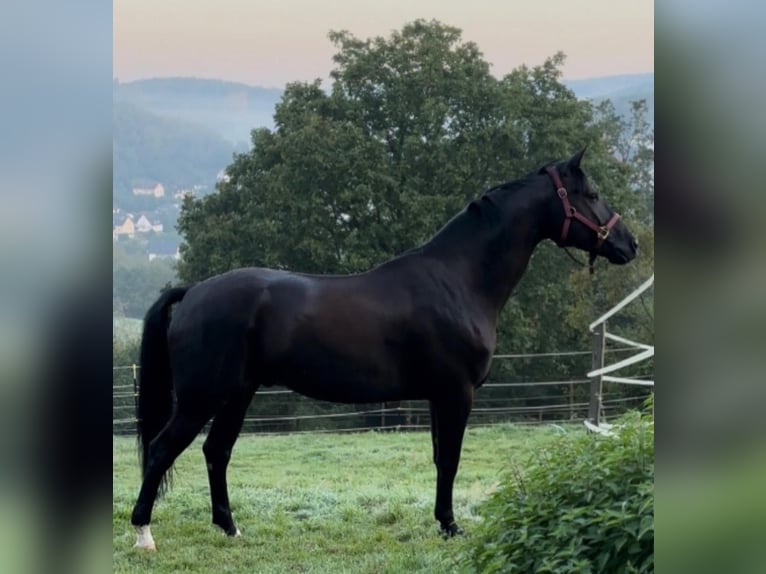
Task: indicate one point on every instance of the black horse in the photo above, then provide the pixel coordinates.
(420, 326)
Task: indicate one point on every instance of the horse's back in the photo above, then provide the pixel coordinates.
(229, 298)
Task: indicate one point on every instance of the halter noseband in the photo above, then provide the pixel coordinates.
(602, 231)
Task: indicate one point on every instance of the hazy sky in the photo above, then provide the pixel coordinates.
(270, 43)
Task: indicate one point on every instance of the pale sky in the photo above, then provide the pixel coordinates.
(271, 43)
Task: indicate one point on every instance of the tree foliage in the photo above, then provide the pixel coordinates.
(137, 282)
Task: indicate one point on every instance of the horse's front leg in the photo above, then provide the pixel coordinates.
(449, 417)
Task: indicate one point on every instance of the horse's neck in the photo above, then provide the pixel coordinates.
(497, 276)
(494, 258)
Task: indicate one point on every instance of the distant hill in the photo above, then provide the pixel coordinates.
(233, 109)
(230, 109)
(605, 86)
(182, 131)
(150, 148)
(621, 90)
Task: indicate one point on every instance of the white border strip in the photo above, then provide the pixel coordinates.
(642, 382)
(619, 339)
(624, 363)
(643, 287)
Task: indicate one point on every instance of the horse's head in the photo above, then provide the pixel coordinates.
(581, 218)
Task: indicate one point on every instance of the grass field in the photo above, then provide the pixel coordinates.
(316, 503)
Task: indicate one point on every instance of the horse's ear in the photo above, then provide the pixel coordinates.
(574, 161)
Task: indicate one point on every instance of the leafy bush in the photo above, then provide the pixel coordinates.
(584, 505)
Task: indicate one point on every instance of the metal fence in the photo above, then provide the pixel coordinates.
(599, 373)
(521, 401)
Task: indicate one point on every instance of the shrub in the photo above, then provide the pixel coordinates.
(584, 505)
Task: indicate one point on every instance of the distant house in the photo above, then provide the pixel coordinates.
(123, 226)
(163, 248)
(143, 225)
(157, 191)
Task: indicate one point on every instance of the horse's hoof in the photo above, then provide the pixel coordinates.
(144, 539)
(451, 530)
(237, 534)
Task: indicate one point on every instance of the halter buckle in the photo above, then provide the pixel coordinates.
(562, 192)
(602, 233)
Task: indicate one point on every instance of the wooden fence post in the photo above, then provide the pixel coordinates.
(598, 341)
(571, 402)
(382, 416)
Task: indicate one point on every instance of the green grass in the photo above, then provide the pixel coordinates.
(322, 503)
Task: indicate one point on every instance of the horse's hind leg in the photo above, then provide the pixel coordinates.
(165, 448)
(217, 448)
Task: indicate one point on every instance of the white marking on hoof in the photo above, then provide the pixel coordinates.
(145, 540)
(237, 534)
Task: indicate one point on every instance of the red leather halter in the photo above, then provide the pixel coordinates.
(602, 231)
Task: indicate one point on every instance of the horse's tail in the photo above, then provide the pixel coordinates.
(155, 390)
